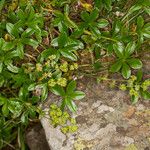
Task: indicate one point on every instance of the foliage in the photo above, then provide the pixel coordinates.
(62, 118)
(44, 46)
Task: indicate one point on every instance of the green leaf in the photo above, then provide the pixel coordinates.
(108, 4)
(71, 105)
(140, 22)
(116, 66)
(145, 95)
(58, 90)
(30, 42)
(130, 48)
(94, 15)
(119, 48)
(12, 29)
(134, 99)
(8, 46)
(134, 8)
(28, 32)
(5, 109)
(20, 51)
(102, 23)
(77, 95)
(1, 67)
(12, 68)
(62, 39)
(69, 55)
(71, 87)
(2, 2)
(44, 92)
(85, 16)
(134, 63)
(139, 75)
(126, 72)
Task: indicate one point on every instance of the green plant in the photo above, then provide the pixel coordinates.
(137, 88)
(44, 45)
(62, 118)
(124, 60)
(68, 95)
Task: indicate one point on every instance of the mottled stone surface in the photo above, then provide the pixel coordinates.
(106, 120)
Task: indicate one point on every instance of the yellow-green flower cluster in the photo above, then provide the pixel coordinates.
(63, 119)
(123, 87)
(64, 67)
(133, 92)
(60, 81)
(39, 67)
(145, 85)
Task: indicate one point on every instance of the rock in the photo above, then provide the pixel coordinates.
(35, 138)
(106, 121)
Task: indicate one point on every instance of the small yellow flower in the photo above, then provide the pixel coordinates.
(75, 65)
(64, 67)
(72, 67)
(52, 57)
(133, 78)
(39, 67)
(62, 82)
(49, 74)
(122, 87)
(51, 83)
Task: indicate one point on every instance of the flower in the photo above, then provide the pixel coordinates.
(39, 67)
(51, 83)
(122, 87)
(64, 67)
(62, 82)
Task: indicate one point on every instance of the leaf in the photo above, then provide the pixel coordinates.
(12, 68)
(24, 118)
(102, 23)
(58, 90)
(1, 67)
(28, 32)
(2, 2)
(71, 105)
(119, 48)
(8, 46)
(44, 92)
(30, 42)
(134, 63)
(130, 48)
(94, 15)
(85, 16)
(71, 87)
(69, 55)
(139, 75)
(134, 8)
(12, 30)
(126, 72)
(116, 66)
(134, 99)
(145, 95)
(5, 109)
(62, 39)
(140, 22)
(77, 95)
(20, 51)
(108, 4)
